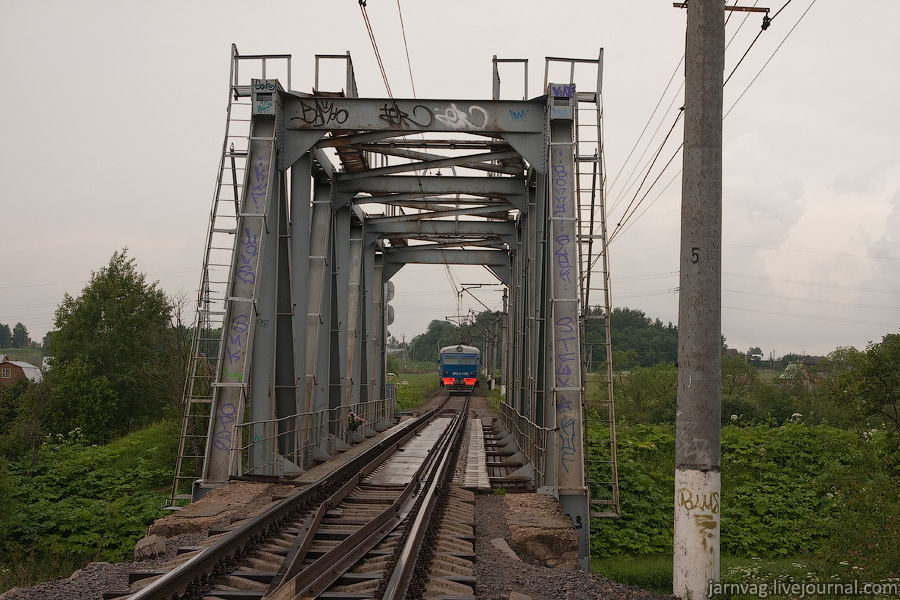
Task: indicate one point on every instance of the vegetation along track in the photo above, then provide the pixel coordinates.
(375, 528)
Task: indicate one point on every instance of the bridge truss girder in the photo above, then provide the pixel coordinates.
(303, 342)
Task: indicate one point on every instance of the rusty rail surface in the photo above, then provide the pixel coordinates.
(192, 577)
(411, 511)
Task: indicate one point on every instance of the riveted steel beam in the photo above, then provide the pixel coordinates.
(433, 185)
(372, 114)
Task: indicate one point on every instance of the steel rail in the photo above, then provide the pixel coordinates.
(195, 573)
(326, 570)
(399, 582)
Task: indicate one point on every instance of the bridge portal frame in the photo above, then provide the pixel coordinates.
(304, 328)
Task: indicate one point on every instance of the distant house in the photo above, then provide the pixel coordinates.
(799, 371)
(10, 370)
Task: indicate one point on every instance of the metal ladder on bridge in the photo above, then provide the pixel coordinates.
(601, 472)
(218, 259)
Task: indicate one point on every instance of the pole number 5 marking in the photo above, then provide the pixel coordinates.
(695, 255)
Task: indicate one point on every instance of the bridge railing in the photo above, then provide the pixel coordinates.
(305, 438)
(531, 438)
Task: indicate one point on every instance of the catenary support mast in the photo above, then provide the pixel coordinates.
(698, 425)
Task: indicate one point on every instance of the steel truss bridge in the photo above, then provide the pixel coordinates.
(322, 197)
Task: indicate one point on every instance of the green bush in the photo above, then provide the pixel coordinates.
(81, 503)
(788, 491)
(646, 466)
(775, 484)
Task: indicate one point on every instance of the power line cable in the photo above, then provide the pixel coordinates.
(649, 120)
(816, 284)
(362, 8)
(628, 215)
(815, 252)
(815, 300)
(814, 317)
(772, 56)
(659, 102)
(406, 47)
(766, 22)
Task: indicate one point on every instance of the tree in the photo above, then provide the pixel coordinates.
(649, 393)
(118, 328)
(439, 334)
(46, 348)
(653, 341)
(5, 336)
(874, 381)
(79, 399)
(738, 376)
(19, 336)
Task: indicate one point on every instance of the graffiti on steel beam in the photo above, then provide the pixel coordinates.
(421, 116)
(319, 113)
(225, 417)
(561, 252)
(249, 251)
(460, 119)
(564, 336)
(518, 115)
(264, 86)
(560, 186)
(260, 183)
(563, 91)
(235, 349)
(568, 435)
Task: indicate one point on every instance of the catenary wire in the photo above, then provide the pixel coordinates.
(770, 57)
(628, 216)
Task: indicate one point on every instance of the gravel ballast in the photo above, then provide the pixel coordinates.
(500, 575)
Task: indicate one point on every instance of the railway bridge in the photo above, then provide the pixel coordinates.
(322, 197)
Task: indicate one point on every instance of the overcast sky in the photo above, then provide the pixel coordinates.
(112, 139)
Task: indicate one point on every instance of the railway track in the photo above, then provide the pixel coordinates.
(387, 525)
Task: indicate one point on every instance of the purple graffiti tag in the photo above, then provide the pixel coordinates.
(240, 323)
(250, 248)
(250, 243)
(562, 257)
(234, 355)
(564, 342)
(564, 371)
(258, 190)
(226, 417)
(563, 404)
(246, 275)
(560, 184)
(565, 325)
(568, 450)
(563, 91)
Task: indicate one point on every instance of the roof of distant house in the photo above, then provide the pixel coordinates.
(32, 372)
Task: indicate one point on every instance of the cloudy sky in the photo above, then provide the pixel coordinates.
(113, 142)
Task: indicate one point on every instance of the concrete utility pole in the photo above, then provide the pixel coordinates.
(698, 425)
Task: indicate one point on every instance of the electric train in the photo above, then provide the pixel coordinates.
(459, 367)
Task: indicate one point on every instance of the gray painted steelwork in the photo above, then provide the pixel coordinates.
(304, 328)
